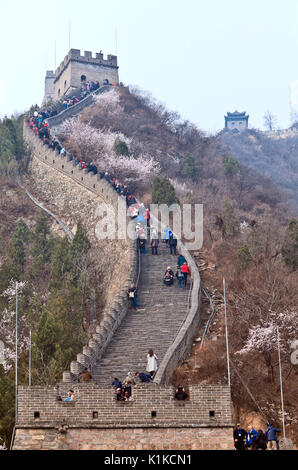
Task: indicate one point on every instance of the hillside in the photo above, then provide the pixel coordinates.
(246, 238)
(272, 154)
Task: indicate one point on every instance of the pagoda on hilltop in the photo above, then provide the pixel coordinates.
(236, 120)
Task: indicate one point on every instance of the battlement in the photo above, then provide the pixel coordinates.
(151, 405)
(75, 56)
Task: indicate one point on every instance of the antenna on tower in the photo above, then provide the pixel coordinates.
(69, 31)
(116, 41)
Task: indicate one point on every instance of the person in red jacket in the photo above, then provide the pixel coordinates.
(185, 269)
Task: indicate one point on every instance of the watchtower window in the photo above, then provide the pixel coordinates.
(65, 84)
(211, 414)
(59, 92)
(36, 414)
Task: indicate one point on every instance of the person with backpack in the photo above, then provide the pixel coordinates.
(181, 260)
(180, 277)
(271, 437)
(185, 270)
(132, 295)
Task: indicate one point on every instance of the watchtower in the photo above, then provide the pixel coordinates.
(49, 86)
(237, 121)
(68, 74)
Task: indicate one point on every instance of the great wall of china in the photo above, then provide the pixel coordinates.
(153, 420)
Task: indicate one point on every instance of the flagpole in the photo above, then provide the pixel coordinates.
(227, 340)
(16, 365)
(30, 336)
(281, 390)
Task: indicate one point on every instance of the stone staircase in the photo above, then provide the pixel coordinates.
(154, 326)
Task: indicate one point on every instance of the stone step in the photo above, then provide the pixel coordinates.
(162, 310)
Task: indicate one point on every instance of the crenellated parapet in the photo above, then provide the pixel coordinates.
(87, 58)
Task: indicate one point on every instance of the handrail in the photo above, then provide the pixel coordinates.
(182, 342)
(37, 203)
(187, 311)
(206, 330)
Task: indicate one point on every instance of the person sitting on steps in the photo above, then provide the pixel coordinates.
(168, 277)
(143, 377)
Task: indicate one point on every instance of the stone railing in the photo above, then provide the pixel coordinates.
(181, 346)
(112, 318)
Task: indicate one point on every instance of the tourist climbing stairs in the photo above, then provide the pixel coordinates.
(162, 310)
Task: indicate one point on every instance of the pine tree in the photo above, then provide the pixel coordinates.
(230, 165)
(41, 246)
(121, 148)
(189, 167)
(244, 257)
(7, 398)
(230, 220)
(17, 245)
(80, 243)
(163, 192)
(290, 246)
(61, 264)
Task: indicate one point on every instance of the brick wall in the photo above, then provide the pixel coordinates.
(182, 438)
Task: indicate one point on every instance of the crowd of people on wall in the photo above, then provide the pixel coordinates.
(39, 125)
(87, 87)
(256, 440)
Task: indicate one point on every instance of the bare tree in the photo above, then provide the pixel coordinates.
(270, 120)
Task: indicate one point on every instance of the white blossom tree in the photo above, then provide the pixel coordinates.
(98, 146)
(263, 338)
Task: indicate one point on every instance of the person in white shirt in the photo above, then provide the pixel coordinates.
(151, 363)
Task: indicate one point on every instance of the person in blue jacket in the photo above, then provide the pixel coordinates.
(251, 437)
(181, 260)
(271, 437)
(143, 377)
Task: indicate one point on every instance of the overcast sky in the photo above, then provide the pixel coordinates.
(201, 58)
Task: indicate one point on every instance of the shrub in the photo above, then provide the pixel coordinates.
(189, 167)
(163, 192)
(230, 220)
(121, 148)
(290, 246)
(244, 257)
(230, 165)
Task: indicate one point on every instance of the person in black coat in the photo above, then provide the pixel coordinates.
(173, 244)
(240, 436)
(260, 442)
